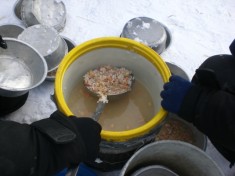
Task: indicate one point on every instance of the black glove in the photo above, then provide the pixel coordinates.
(90, 133)
(66, 141)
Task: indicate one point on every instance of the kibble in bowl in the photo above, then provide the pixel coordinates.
(178, 129)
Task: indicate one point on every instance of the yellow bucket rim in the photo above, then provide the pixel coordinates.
(116, 42)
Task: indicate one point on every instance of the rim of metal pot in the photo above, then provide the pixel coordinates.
(42, 58)
(165, 142)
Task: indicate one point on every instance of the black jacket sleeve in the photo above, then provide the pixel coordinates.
(210, 103)
(213, 113)
(17, 149)
(31, 150)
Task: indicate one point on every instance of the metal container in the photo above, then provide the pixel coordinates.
(17, 9)
(52, 73)
(198, 138)
(176, 70)
(153, 171)
(48, 42)
(10, 30)
(71, 44)
(149, 32)
(168, 37)
(182, 158)
(22, 68)
(51, 13)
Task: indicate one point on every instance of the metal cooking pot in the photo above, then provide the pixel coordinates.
(51, 13)
(182, 158)
(149, 32)
(10, 30)
(48, 42)
(22, 68)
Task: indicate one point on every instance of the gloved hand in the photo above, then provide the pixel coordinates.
(63, 142)
(173, 93)
(90, 133)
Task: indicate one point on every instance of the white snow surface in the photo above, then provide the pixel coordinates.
(199, 29)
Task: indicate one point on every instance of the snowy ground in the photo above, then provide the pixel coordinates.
(199, 29)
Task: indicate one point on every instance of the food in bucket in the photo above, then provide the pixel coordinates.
(108, 80)
(129, 112)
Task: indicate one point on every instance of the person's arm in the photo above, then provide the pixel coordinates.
(47, 146)
(210, 103)
(210, 109)
(212, 112)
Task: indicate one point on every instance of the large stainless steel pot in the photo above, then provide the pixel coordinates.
(182, 158)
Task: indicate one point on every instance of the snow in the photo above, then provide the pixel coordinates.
(199, 29)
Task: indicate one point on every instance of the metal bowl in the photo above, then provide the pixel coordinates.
(180, 157)
(52, 73)
(17, 9)
(53, 60)
(48, 42)
(168, 37)
(153, 171)
(176, 70)
(10, 30)
(194, 136)
(51, 13)
(149, 32)
(22, 68)
(69, 43)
